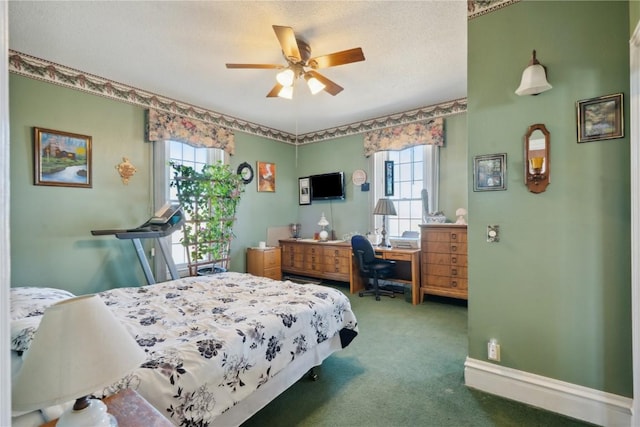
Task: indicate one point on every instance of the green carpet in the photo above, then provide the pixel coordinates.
(405, 368)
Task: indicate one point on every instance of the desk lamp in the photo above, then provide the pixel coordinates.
(79, 348)
(384, 207)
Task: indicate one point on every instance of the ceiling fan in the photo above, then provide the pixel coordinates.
(300, 64)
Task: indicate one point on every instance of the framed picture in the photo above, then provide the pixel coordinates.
(490, 172)
(600, 118)
(388, 177)
(62, 159)
(266, 176)
(304, 195)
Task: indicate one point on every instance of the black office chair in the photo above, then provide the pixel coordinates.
(371, 267)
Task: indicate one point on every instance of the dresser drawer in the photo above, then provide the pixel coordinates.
(337, 252)
(273, 273)
(396, 256)
(437, 258)
(272, 259)
(458, 259)
(446, 282)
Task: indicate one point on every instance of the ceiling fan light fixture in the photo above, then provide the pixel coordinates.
(314, 84)
(286, 92)
(286, 77)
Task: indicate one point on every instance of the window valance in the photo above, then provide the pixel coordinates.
(162, 126)
(404, 136)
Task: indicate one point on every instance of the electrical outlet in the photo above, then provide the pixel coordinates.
(493, 233)
(493, 350)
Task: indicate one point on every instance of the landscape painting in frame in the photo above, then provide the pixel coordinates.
(62, 159)
(600, 118)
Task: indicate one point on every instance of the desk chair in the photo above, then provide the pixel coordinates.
(371, 267)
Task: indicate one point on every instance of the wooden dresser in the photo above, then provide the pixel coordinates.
(264, 262)
(311, 258)
(444, 260)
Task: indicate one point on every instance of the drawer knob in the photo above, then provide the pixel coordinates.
(454, 284)
(454, 248)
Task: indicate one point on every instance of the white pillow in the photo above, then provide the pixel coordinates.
(31, 301)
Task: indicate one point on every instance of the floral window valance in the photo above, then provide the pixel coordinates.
(163, 126)
(401, 137)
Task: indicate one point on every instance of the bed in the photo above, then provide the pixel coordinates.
(218, 347)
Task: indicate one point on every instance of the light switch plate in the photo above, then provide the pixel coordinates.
(493, 233)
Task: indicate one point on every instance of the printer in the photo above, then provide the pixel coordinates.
(405, 242)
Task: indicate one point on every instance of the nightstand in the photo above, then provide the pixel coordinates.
(131, 410)
(264, 262)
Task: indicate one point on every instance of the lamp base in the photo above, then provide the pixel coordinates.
(94, 415)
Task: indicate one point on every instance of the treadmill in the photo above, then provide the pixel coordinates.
(163, 223)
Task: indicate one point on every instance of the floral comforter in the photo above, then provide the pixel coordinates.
(213, 340)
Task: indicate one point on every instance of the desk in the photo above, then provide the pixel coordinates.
(407, 270)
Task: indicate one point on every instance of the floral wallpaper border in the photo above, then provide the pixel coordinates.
(40, 69)
(477, 8)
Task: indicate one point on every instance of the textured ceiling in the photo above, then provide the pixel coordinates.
(415, 52)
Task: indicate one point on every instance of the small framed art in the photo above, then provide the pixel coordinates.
(62, 159)
(304, 195)
(388, 177)
(490, 172)
(600, 118)
(266, 176)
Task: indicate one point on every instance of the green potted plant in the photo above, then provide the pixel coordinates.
(209, 199)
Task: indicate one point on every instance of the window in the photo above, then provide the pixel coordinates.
(178, 152)
(414, 169)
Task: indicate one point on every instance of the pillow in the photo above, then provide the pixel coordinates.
(27, 307)
(30, 301)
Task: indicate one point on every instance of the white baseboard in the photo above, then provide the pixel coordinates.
(564, 398)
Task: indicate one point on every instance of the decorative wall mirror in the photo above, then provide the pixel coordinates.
(537, 159)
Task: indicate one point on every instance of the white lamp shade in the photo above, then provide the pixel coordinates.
(286, 92)
(78, 349)
(534, 81)
(315, 85)
(285, 77)
(323, 221)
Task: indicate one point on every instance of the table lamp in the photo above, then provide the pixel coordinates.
(80, 347)
(324, 234)
(384, 207)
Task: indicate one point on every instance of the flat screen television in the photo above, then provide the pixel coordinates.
(327, 186)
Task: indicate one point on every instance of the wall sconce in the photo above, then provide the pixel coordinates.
(534, 78)
(537, 164)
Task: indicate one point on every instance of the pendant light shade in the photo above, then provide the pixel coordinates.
(534, 79)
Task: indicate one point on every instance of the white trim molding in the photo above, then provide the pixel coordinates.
(634, 132)
(564, 398)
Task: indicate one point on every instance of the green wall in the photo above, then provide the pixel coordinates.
(51, 241)
(259, 210)
(555, 291)
(347, 154)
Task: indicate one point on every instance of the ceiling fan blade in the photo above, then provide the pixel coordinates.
(287, 39)
(337, 58)
(254, 66)
(275, 91)
(329, 86)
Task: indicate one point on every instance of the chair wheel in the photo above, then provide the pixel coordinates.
(360, 294)
(392, 295)
(377, 298)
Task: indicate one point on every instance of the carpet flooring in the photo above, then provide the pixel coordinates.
(405, 368)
